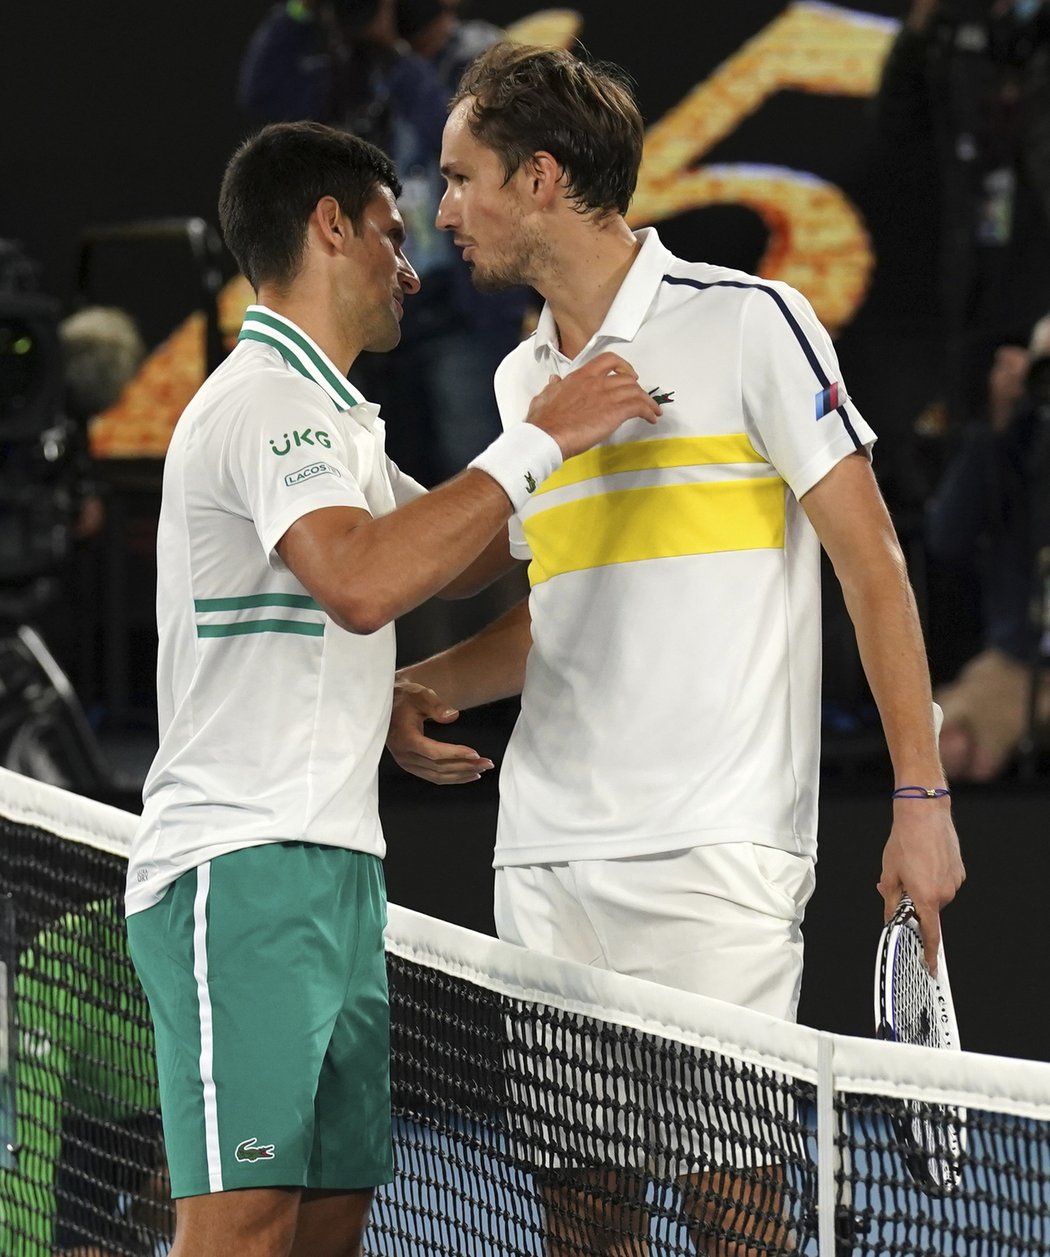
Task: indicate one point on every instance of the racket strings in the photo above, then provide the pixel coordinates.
(916, 1006)
(932, 1133)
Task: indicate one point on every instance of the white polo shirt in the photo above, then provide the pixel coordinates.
(272, 718)
(672, 692)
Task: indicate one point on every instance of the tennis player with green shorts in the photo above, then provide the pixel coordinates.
(288, 543)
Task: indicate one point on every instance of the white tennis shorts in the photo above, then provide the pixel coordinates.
(721, 921)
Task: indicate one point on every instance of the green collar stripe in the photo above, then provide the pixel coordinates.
(333, 381)
(261, 626)
(267, 338)
(308, 351)
(255, 600)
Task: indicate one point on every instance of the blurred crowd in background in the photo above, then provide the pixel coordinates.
(964, 99)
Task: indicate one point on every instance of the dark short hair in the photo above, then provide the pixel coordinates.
(273, 183)
(528, 100)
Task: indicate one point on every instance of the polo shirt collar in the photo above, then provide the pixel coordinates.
(306, 357)
(632, 301)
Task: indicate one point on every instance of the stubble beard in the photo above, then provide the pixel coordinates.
(382, 328)
(498, 279)
(386, 335)
(513, 270)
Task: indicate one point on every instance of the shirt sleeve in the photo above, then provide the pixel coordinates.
(405, 488)
(799, 413)
(282, 468)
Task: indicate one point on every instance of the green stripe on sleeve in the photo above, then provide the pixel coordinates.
(256, 600)
(303, 628)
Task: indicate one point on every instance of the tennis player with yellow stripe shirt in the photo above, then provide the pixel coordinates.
(658, 808)
(288, 543)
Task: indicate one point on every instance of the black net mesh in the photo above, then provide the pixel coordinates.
(518, 1122)
(86, 1171)
(520, 1128)
(921, 1178)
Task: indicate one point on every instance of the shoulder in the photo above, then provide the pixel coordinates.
(762, 307)
(731, 285)
(258, 375)
(252, 394)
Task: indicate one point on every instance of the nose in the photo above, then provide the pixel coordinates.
(407, 277)
(443, 221)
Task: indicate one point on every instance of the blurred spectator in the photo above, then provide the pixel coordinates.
(385, 69)
(965, 94)
(90, 1178)
(103, 349)
(994, 507)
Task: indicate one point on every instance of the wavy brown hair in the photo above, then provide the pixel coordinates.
(529, 100)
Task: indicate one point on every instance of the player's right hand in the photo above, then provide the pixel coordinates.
(591, 403)
(442, 763)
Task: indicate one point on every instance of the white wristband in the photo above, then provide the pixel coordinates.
(520, 460)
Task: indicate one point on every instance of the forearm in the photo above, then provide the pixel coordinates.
(853, 525)
(486, 667)
(921, 856)
(395, 562)
(882, 607)
(493, 562)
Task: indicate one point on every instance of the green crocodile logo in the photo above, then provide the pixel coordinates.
(530, 482)
(250, 1151)
(661, 399)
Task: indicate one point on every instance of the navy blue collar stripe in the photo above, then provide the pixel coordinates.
(792, 322)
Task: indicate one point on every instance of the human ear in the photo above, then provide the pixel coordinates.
(546, 178)
(330, 220)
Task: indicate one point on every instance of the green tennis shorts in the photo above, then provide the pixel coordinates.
(266, 978)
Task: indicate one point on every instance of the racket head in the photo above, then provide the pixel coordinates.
(914, 1006)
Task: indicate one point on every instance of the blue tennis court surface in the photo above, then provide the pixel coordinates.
(458, 1191)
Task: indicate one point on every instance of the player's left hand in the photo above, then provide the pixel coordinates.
(442, 763)
(922, 858)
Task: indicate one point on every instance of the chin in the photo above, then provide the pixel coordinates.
(390, 339)
(489, 281)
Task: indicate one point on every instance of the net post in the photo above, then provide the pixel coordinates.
(827, 1155)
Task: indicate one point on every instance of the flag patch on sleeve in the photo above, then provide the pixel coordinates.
(830, 399)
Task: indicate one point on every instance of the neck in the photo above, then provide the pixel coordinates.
(315, 315)
(585, 277)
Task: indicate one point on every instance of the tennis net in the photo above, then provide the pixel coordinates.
(539, 1107)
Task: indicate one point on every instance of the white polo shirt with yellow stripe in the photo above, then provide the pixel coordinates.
(272, 718)
(672, 693)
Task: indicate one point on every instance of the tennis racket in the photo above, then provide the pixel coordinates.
(914, 1006)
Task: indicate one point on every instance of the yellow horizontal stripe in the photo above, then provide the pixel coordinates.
(672, 451)
(662, 522)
